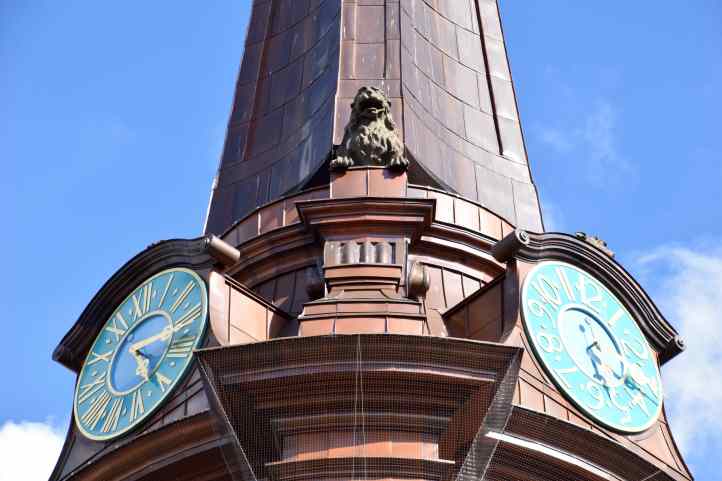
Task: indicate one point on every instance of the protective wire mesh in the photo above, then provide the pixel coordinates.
(237, 465)
(360, 406)
(594, 449)
(482, 449)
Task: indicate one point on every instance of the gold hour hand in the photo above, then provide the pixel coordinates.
(140, 359)
(142, 364)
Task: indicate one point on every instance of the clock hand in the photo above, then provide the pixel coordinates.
(141, 359)
(636, 375)
(594, 350)
(142, 364)
(161, 336)
(606, 372)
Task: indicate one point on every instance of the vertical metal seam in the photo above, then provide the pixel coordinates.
(261, 64)
(341, 57)
(488, 76)
(386, 43)
(401, 82)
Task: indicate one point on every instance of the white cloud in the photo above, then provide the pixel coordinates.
(29, 450)
(687, 285)
(592, 141)
(600, 137)
(560, 141)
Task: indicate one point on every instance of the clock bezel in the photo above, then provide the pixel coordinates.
(175, 382)
(554, 377)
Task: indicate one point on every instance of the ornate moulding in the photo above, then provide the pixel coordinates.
(529, 248)
(193, 254)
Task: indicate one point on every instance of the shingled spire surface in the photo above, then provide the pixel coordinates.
(442, 63)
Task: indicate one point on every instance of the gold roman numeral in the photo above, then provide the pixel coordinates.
(188, 318)
(87, 390)
(96, 410)
(99, 357)
(147, 296)
(165, 291)
(141, 303)
(118, 320)
(162, 381)
(137, 408)
(181, 347)
(111, 420)
(182, 297)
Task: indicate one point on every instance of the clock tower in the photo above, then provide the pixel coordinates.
(374, 296)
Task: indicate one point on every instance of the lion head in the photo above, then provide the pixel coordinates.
(369, 137)
(370, 105)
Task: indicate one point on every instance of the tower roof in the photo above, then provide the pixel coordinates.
(443, 64)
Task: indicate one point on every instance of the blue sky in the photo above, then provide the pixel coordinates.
(112, 119)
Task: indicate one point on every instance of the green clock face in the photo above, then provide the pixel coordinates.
(591, 347)
(143, 350)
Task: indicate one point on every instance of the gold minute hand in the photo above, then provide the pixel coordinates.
(161, 336)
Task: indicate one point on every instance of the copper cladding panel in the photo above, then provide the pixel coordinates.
(443, 65)
(281, 122)
(460, 115)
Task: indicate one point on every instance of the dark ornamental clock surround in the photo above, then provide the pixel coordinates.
(144, 349)
(370, 322)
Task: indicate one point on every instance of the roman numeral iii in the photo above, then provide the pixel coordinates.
(181, 347)
(188, 318)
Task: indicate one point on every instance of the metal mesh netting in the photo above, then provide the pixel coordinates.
(360, 406)
(593, 448)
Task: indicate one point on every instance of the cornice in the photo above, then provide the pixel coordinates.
(405, 215)
(535, 247)
(190, 253)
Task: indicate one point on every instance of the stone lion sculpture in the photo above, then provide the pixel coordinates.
(370, 137)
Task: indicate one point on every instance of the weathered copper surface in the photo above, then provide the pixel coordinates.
(281, 123)
(441, 63)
